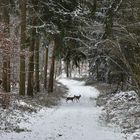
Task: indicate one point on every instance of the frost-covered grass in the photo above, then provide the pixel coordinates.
(123, 109)
(20, 109)
(10, 118)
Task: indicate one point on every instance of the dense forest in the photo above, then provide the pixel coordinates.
(37, 35)
(40, 40)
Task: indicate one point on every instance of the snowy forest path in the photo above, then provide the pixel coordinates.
(70, 120)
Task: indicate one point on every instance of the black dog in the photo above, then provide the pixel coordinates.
(77, 98)
(70, 98)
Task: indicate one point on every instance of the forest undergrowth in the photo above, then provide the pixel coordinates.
(20, 108)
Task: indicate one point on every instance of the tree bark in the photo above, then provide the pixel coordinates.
(52, 69)
(31, 82)
(37, 80)
(67, 68)
(4, 75)
(45, 69)
(6, 58)
(22, 47)
(30, 85)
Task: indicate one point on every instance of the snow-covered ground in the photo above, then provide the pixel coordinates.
(123, 109)
(68, 121)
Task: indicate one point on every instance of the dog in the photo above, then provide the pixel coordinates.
(70, 98)
(77, 98)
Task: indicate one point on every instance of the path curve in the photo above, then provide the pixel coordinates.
(69, 121)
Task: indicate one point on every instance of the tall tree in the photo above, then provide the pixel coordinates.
(6, 59)
(31, 82)
(46, 68)
(52, 68)
(37, 80)
(23, 4)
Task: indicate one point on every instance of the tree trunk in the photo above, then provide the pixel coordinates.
(8, 75)
(67, 68)
(31, 82)
(6, 61)
(37, 80)
(4, 75)
(22, 47)
(45, 69)
(60, 67)
(51, 77)
(30, 85)
(79, 69)
(52, 69)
